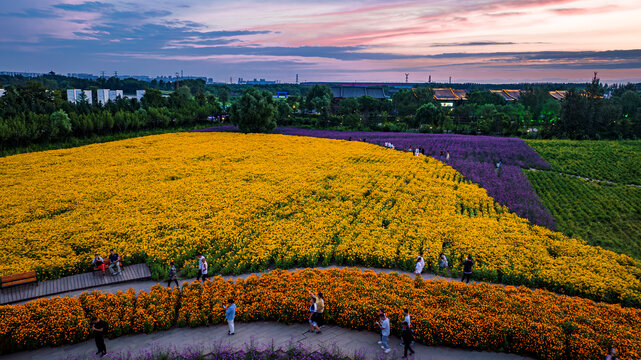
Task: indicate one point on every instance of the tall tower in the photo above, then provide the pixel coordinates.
(407, 76)
(296, 79)
(429, 79)
(450, 80)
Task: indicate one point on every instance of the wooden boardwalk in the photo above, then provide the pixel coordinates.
(71, 283)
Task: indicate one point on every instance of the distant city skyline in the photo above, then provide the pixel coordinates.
(482, 41)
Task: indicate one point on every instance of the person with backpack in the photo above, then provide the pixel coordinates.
(172, 275)
(320, 308)
(313, 325)
(408, 338)
(467, 269)
(99, 328)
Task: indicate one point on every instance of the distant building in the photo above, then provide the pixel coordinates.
(140, 94)
(2, 91)
(242, 81)
(448, 97)
(280, 95)
(115, 94)
(75, 95)
(83, 76)
(102, 96)
(558, 94)
(343, 92)
(508, 95)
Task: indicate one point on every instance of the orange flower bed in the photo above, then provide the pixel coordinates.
(483, 317)
(44, 322)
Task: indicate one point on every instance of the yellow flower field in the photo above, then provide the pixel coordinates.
(249, 202)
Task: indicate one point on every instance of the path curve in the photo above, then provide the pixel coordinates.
(260, 333)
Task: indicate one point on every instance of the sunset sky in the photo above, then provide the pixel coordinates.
(471, 40)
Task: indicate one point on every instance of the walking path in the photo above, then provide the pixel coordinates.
(260, 334)
(70, 283)
(147, 284)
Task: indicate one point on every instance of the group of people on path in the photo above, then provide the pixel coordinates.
(407, 335)
(444, 266)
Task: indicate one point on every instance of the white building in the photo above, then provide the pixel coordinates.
(102, 96)
(2, 91)
(114, 94)
(75, 95)
(140, 94)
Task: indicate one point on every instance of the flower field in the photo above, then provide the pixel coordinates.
(603, 214)
(250, 202)
(483, 317)
(475, 157)
(616, 161)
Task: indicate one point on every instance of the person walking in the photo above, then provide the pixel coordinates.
(114, 262)
(230, 314)
(408, 339)
(202, 268)
(313, 325)
(442, 262)
(320, 308)
(99, 328)
(467, 269)
(420, 264)
(384, 325)
(447, 156)
(172, 275)
(406, 320)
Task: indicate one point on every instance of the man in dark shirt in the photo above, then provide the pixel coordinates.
(114, 262)
(99, 328)
(467, 268)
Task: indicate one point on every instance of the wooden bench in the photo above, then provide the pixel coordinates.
(18, 279)
(107, 263)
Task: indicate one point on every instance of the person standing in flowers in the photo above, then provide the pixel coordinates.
(420, 264)
(442, 262)
(612, 354)
(384, 325)
(99, 328)
(313, 325)
(202, 268)
(230, 314)
(172, 275)
(320, 308)
(467, 269)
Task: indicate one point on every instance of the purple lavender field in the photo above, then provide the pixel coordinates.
(473, 156)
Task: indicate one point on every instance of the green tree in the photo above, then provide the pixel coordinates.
(319, 98)
(406, 102)
(429, 114)
(223, 96)
(368, 106)
(60, 124)
(485, 97)
(630, 101)
(152, 98)
(348, 106)
(254, 111)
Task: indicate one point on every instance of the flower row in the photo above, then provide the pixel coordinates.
(251, 202)
(483, 317)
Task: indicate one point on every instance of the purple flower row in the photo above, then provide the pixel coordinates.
(473, 156)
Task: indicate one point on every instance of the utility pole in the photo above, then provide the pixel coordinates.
(177, 80)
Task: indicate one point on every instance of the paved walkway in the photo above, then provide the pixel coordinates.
(260, 333)
(147, 284)
(72, 283)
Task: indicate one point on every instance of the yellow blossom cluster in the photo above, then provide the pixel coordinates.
(250, 202)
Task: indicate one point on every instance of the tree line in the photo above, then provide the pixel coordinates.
(34, 114)
(583, 113)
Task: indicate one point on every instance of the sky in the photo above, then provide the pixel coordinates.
(470, 40)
